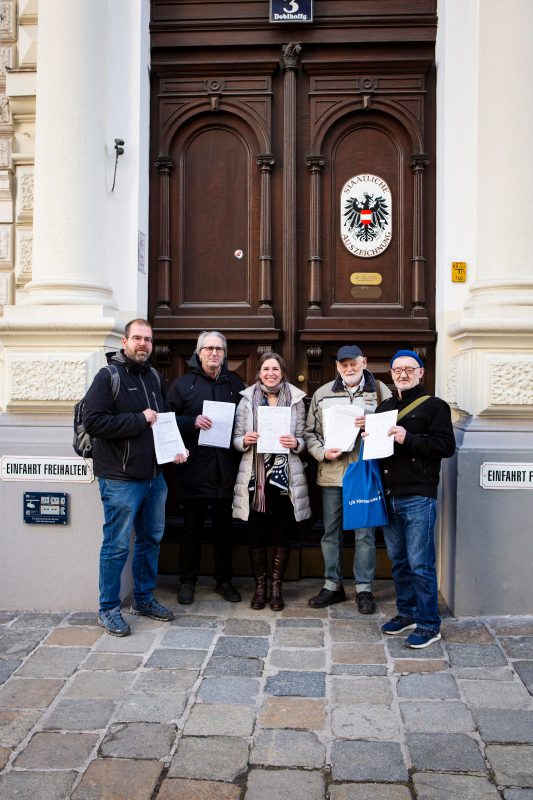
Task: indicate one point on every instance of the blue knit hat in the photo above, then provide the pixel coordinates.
(406, 354)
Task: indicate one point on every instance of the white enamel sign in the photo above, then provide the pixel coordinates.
(41, 468)
(366, 215)
(494, 475)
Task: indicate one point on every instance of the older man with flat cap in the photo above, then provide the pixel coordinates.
(410, 479)
(354, 385)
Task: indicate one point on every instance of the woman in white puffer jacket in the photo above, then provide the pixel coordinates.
(271, 488)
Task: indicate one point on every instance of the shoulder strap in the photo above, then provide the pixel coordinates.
(412, 406)
(378, 392)
(156, 375)
(115, 380)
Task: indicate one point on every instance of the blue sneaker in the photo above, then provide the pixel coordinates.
(113, 622)
(398, 625)
(420, 638)
(152, 609)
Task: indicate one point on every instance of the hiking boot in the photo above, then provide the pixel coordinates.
(365, 603)
(113, 622)
(326, 597)
(152, 609)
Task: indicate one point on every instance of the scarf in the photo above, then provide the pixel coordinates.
(270, 468)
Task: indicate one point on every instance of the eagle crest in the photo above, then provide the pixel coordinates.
(366, 218)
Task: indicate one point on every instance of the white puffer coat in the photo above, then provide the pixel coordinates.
(297, 480)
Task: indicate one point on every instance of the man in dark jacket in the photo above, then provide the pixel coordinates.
(410, 480)
(210, 474)
(132, 486)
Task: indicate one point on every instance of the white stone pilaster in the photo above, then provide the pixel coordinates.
(70, 156)
(496, 326)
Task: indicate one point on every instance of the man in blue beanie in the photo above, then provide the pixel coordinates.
(410, 479)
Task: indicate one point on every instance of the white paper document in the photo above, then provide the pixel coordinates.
(378, 444)
(167, 438)
(273, 422)
(221, 415)
(340, 432)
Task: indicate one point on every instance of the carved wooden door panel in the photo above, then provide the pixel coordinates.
(251, 169)
(214, 221)
(254, 141)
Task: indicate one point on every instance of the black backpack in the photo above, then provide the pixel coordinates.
(82, 441)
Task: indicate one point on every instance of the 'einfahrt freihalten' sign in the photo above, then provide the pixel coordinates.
(41, 468)
(291, 10)
(506, 476)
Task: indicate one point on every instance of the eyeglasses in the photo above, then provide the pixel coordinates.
(139, 339)
(211, 349)
(408, 371)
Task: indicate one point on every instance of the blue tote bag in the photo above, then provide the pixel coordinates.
(363, 498)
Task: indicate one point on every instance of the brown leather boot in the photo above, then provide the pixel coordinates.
(280, 559)
(258, 562)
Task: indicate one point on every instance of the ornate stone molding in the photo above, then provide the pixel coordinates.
(494, 384)
(5, 289)
(7, 18)
(48, 379)
(451, 383)
(6, 59)
(24, 255)
(5, 153)
(4, 110)
(511, 383)
(24, 193)
(5, 245)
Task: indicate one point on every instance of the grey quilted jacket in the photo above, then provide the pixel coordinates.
(297, 480)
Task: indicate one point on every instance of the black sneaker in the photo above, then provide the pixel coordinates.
(152, 609)
(365, 603)
(398, 625)
(228, 592)
(186, 594)
(326, 597)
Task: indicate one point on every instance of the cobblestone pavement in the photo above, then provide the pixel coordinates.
(229, 703)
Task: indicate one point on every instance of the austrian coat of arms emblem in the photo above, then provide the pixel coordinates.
(366, 215)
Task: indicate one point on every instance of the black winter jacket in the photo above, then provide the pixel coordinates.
(123, 448)
(210, 472)
(414, 468)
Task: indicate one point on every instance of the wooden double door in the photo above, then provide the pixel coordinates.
(281, 154)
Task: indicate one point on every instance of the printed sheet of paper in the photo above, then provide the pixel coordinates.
(221, 415)
(272, 422)
(339, 426)
(378, 444)
(167, 438)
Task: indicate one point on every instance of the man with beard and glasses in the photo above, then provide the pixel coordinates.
(354, 385)
(132, 486)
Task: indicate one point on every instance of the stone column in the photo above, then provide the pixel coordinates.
(70, 155)
(85, 280)
(491, 379)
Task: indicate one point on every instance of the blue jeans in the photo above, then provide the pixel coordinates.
(127, 504)
(364, 560)
(410, 542)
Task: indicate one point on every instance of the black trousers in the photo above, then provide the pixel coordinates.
(276, 525)
(194, 514)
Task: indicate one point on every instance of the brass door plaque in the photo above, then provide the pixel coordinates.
(366, 278)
